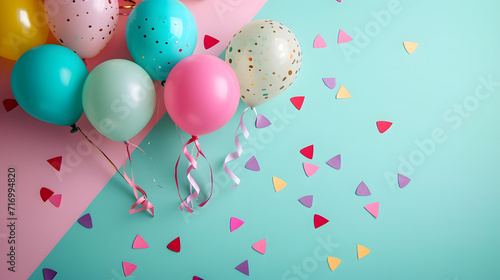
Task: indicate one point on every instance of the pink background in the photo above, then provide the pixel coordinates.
(27, 143)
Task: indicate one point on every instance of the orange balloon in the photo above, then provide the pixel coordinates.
(22, 26)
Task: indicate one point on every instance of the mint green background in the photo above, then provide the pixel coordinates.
(443, 225)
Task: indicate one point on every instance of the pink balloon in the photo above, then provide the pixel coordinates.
(85, 27)
(201, 94)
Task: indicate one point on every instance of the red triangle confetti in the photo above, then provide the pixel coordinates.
(209, 42)
(297, 101)
(308, 151)
(175, 245)
(56, 200)
(319, 221)
(45, 194)
(383, 126)
(55, 162)
(128, 268)
(9, 104)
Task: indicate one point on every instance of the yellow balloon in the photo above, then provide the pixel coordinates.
(22, 26)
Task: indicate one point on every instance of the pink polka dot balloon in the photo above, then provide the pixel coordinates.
(84, 26)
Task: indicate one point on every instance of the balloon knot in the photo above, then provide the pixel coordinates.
(73, 128)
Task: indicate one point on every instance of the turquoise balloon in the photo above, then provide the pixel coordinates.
(159, 34)
(119, 99)
(47, 83)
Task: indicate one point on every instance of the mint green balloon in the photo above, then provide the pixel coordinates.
(119, 99)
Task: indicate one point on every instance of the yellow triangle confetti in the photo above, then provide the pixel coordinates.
(362, 251)
(278, 184)
(343, 93)
(410, 47)
(333, 263)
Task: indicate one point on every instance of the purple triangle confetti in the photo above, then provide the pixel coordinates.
(252, 164)
(330, 82)
(243, 268)
(307, 201)
(334, 162)
(403, 180)
(363, 189)
(262, 121)
(48, 274)
(197, 278)
(86, 220)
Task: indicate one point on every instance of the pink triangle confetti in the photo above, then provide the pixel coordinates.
(260, 246)
(335, 162)
(139, 243)
(383, 126)
(128, 268)
(48, 274)
(55, 162)
(309, 168)
(330, 82)
(243, 268)
(343, 37)
(56, 200)
(307, 201)
(262, 121)
(403, 181)
(252, 164)
(86, 220)
(362, 189)
(209, 41)
(372, 209)
(9, 104)
(297, 101)
(319, 42)
(235, 223)
(308, 151)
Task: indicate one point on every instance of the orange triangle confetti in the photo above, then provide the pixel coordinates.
(410, 47)
(343, 93)
(278, 184)
(362, 251)
(333, 263)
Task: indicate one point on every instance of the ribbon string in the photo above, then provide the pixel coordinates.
(193, 164)
(239, 149)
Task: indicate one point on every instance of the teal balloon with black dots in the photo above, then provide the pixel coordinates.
(159, 34)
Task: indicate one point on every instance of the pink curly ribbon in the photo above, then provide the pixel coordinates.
(193, 164)
(239, 149)
(142, 201)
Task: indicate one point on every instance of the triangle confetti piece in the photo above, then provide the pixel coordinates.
(243, 268)
(410, 47)
(343, 37)
(262, 121)
(333, 263)
(362, 251)
(307, 201)
(175, 245)
(335, 162)
(235, 223)
(252, 164)
(383, 126)
(297, 101)
(372, 209)
(56, 200)
(308, 151)
(9, 104)
(209, 41)
(319, 221)
(330, 82)
(403, 180)
(86, 220)
(139, 243)
(343, 93)
(128, 268)
(260, 246)
(55, 162)
(319, 42)
(362, 189)
(45, 193)
(197, 278)
(278, 184)
(309, 168)
(49, 274)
